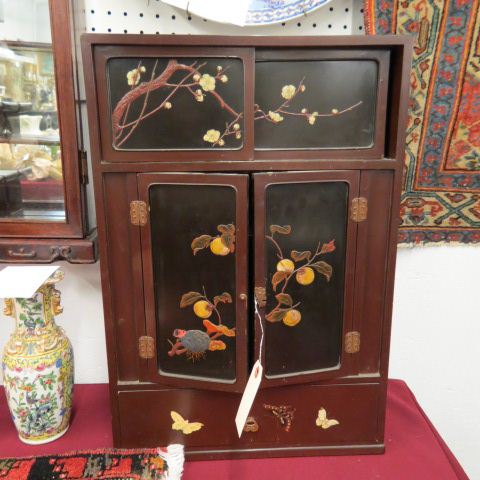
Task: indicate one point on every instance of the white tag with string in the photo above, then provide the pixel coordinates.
(252, 386)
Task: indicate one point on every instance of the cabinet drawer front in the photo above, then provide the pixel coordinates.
(321, 100)
(179, 102)
(146, 419)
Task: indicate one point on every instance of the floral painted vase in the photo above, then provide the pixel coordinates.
(38, 366)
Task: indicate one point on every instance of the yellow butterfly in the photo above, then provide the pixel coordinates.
(323, 421)
(179, 423)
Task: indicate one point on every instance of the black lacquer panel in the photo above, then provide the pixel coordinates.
(304, 330)
(179, 214)
(176, 104)
(315, 104)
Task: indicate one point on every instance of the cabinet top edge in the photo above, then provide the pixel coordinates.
(252, 41)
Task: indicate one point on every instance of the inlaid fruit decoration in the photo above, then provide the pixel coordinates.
(196, 343)
(201, 80)
(303, 267)
(222, 244)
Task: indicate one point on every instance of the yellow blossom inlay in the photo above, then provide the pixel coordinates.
(288, 91)
(207, 82)
(276, 117)
(312, 118)
(133, 76)
(212, 136)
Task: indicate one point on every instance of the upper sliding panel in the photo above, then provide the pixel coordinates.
(175, 103)
(320, 103)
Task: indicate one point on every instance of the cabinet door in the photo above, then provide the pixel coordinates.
(305, 242)
(195, 272)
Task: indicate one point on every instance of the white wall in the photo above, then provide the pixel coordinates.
(435, 341)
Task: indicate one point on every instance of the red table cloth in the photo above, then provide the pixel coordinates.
(414, 449)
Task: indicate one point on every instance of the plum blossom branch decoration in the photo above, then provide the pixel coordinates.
(199, 84)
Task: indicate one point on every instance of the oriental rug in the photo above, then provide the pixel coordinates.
(151, 464)
(441, 195)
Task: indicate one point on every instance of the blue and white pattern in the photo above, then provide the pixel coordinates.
(267, 12)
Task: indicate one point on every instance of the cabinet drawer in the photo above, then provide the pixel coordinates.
(82, 250)
(145, 419)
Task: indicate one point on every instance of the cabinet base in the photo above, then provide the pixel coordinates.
(145, 420)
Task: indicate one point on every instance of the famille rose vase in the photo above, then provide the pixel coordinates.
(38, 366)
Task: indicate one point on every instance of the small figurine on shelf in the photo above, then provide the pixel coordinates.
(38, 366)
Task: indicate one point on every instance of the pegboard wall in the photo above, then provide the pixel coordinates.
(337, 17)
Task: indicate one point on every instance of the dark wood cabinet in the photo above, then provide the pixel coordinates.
(247, 193)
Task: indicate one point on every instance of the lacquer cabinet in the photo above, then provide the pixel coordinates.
(247, 193)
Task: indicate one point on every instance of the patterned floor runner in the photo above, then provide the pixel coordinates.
(154, 464)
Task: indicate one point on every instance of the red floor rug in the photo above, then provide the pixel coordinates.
(98, 464)
(441, 197)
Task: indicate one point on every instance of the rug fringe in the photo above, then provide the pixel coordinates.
(174, 457)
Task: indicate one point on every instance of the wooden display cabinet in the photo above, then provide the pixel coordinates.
(247, 194)
(39, 142)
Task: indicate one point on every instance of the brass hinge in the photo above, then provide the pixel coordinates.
(146, 347)
(359, 210)
(82, 160)
(138, 213)
(352, 342)
(260, 296)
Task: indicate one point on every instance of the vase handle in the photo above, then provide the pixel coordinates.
(9, 308)
(57, 309)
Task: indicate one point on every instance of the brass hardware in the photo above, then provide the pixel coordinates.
(359, 210)
(138, 213)
(21, 253)
(260, 296)
(146, 347)
(251, 425)
(352, 342)
(243, 296)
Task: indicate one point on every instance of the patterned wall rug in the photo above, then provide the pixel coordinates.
(441, 197)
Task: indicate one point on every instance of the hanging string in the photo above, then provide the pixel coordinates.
(257, 313)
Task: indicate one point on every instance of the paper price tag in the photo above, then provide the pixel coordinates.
(248, 397)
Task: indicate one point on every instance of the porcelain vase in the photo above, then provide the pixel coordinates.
(38, 366)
